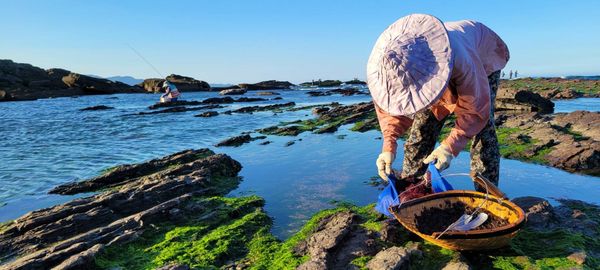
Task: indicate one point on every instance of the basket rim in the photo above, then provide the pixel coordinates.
(486, 233)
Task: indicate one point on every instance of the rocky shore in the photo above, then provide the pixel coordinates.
(171, 213)
(555, 88)
(26, 82)
(569, 141)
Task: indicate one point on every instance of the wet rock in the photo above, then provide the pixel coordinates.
(538, 211)
(70, 235)
(277, 98)
(125, 173)
(182, 83)
(290, 143)
(394, 258)
(179, 109)
(251, 109)
(320, 110)
(227, 100)
(282, 131)
(267, 93)
(327, 129)
(207, 114)
(174, 104)
(347, 91)
(339, 91)
(235, 141)
(231, 92)
(318, 93)
(267, 85)
(97, 108)
(265, 142)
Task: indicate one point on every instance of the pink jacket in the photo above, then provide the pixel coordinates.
(478, 52)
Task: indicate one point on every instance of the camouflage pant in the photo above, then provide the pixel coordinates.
(425, 130)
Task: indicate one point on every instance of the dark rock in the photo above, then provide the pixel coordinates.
(235, 141)
(227, 100)
(267, 85)
(179, 109)
(93, 85)
(356, 81)
(282, 131)
(231, 92)
(320, 83)
(538, 211)
(267, 93)
(277, 98)
(290, 143)
(522, 100)
(97, 108)
(125, 173)
(26, 82)
(252, 109)
(207, 114)
(320, 110)
(69, 235)
(392, 231)
(347, 91)
(318, 93)
(265, 142)
(174, 267)
(182, 83)
(174, 104)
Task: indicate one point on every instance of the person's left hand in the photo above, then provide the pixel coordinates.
(442, 156)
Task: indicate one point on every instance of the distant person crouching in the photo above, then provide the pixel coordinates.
(171, 93)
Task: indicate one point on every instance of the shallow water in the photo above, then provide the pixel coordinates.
(583, 104)
(50, 142)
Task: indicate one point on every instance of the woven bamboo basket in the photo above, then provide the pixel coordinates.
(475, 239)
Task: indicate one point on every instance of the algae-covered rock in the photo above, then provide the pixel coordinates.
(71, 235)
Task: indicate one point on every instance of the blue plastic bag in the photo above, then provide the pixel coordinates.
(388, 197)
(438, 183)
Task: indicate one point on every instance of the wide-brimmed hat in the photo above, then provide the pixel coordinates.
(410, 65)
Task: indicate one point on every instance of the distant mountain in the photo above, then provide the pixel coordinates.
(125, 79)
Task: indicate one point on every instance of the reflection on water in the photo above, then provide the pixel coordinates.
(49, 142)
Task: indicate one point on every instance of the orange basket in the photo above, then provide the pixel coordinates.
(495, 203)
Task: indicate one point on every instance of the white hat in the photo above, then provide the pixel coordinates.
(410, 65)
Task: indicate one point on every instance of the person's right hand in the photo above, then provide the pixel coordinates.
(384, 164)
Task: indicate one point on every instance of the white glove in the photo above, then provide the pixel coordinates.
(442, 157)
(384, 164)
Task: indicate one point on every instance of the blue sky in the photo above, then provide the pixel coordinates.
(249, 41)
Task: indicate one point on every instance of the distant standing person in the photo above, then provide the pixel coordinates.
(171, 92)
(516, 74)
(503, 74)
(510, 74)
(420, 71)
